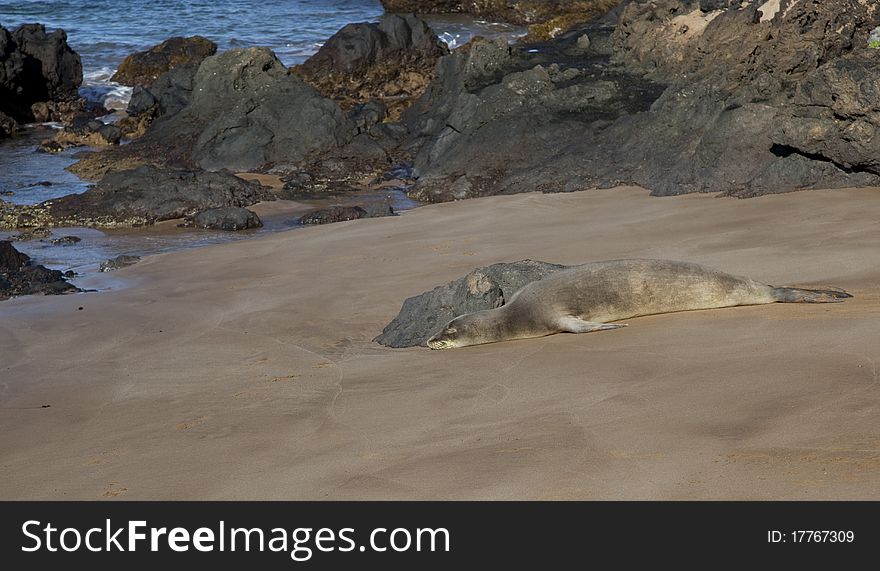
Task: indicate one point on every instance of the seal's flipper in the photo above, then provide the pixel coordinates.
(798, 295)
(571, 324)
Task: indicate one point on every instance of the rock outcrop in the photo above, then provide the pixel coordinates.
(167, 95)
(83, 131)
(163, 80)
(228, 218)
(500, 119)
(20, 276)
(392, 60)
(243, 112)
(143, 68)
(676, 96)
(484, 288)
(752, 87)
(37, 68)
(138, 197)
(345, 213)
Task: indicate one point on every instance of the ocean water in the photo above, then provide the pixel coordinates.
(104, 32)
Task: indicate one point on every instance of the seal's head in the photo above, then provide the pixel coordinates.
(464, 330)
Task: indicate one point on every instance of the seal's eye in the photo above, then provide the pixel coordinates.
(451, 330)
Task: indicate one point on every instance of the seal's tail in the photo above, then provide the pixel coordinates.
(798, 295)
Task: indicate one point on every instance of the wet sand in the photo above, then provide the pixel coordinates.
(246, 370)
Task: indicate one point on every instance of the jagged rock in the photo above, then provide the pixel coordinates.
(19, 276)
(484, 288)
(36, 67)
(392, 60)
(492, 115)
(10, 258)
(142, 101)
(138, 197)
(245, 112)
(253, 113)
(227, 218)
(835, 115)
(143, 68)
(741, 74)
(120, 261)
(167, 95)
(676, 96)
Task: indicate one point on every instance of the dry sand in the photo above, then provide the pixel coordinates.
(246, 370)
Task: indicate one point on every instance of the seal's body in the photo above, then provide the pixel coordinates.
(587, 297)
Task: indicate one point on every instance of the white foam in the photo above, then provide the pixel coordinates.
(98, 87)
(118, 97)
(452, 40)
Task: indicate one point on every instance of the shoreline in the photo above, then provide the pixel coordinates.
(99, 244)
(240, 371)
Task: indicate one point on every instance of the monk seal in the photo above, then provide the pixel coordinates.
(586, 298)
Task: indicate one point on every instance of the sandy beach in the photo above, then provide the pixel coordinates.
(246, 370)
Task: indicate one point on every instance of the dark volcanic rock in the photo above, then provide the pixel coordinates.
(392, 61)
(10, 258)
(499, 119)
(484, 288)
(170, 93)
(83, 132)
(227, 218)
(36, 67)
(835, 115)
(66, 241)
(167, 95)
(139, 197)
(8, 125)
(334, 214)
(344, 213)
(120, 261)
(143, 68)
(696, 96)
(252, 112)
(738, 80)
(245, 112)
(142, 101)
(18, 276)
